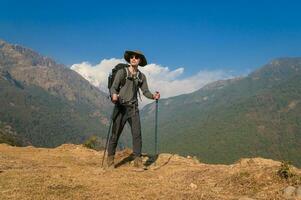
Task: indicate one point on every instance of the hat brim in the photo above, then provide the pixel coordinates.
(128, 54)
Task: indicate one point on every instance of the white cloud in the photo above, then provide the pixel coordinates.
(159, 78)
(98, 74)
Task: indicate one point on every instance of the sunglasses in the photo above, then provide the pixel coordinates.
(135, 56)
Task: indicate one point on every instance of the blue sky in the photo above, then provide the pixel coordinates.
(197, 35)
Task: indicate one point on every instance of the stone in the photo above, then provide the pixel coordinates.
(195, 160)
(193, 186)
(289, 192)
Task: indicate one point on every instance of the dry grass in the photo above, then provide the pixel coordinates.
(74, 172)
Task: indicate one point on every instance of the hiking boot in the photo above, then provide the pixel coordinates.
(110, 162)
(138, 165)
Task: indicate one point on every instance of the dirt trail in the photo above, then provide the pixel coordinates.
(74, 172)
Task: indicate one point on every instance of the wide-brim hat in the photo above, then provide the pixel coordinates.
(128, 54)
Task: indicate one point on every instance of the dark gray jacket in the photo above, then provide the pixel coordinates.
(128, 92)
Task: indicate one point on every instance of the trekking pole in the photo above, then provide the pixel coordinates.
(108, 135)
(156, 127)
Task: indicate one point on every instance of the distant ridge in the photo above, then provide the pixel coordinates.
(256, 115)
(47, 103)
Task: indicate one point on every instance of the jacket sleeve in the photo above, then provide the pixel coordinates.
(144, 88)
(116, 83)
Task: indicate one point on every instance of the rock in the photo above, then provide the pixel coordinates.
(298, 192)
(245, 198)
(189, 157)
(289, 192)
(193, 186)
(195, 160)
(144, 159)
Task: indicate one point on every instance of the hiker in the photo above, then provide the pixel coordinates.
(125, 99)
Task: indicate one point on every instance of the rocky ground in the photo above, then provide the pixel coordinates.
(74, 172)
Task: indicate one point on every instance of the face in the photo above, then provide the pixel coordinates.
(135, 60)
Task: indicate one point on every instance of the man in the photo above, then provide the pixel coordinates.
(126, 105)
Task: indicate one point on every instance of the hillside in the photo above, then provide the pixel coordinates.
(9, 136)
(46, 103)
(74, 172)
(257, 115)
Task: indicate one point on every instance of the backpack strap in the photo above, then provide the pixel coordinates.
(140, 81)
(139, 76)
(126, 72)
(125, 75)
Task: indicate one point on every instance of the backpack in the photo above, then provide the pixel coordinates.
(122, 66)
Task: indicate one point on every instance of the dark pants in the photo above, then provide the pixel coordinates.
(123, 114)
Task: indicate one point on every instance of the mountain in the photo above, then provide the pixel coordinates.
(46, 103)
(31, 68)
(256, 115)
(74, 172)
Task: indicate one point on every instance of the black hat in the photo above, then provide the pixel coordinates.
(128, 54)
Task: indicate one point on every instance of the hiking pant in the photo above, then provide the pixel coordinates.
(123, 114)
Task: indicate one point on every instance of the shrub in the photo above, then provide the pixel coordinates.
(286, 172)
(93, 142)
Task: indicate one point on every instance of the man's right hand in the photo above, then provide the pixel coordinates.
(114, 98)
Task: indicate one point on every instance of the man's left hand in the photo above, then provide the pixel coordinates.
(156, 96)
